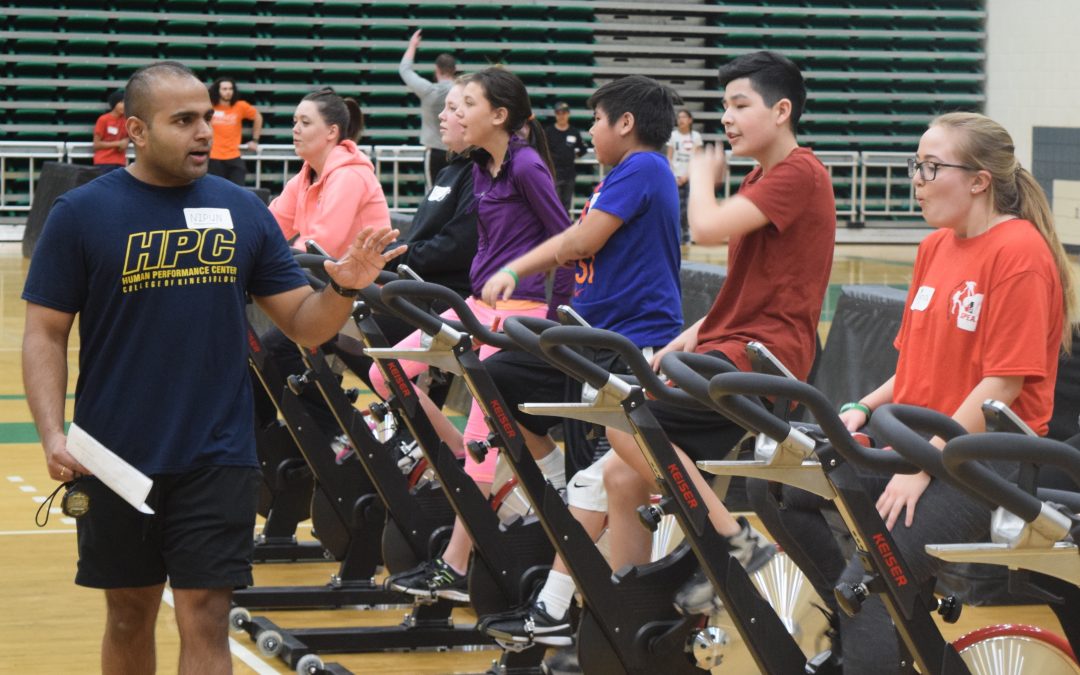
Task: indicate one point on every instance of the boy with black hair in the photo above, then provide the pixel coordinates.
(780, 229)
(628, 232)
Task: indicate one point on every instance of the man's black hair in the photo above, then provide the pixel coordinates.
(773, 76)
(137, 93)
(215, 90)
(651, 103)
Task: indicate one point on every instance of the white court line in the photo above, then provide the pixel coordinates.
(28, 488)
(15, 479)
(9, 533)
(238, 650)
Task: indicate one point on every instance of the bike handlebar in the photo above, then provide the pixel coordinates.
(900, 426)
(555, 343)
(757, 384)
(397, 296)
(962, 456)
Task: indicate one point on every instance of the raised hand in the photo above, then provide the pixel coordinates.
(361, 264)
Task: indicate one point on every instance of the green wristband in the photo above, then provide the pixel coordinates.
(511, 273)
(855, 405)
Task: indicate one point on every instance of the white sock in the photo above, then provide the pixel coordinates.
(554, 468)
(557, 593)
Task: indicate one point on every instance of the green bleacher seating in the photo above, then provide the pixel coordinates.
(876, 70)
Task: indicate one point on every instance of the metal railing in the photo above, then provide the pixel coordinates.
(842, 167)
(868, 184)
(31, 152)
(889, 176)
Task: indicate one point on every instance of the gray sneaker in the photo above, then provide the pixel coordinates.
(751, 548)
(697, 596)
(752, 551)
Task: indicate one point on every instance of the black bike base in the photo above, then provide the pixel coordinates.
(407, 636)
(319, 597)
(289, 550)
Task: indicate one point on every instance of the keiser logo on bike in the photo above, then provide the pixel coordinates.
(503, 418)
(399, 379)
(890, 559)
(684, 487)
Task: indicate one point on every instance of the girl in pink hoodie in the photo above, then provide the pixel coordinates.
(336, 193)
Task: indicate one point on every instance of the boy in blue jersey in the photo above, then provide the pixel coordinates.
(628, 233)
(156, 261)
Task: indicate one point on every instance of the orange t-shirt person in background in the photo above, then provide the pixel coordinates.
(229, 116)
(110, 135)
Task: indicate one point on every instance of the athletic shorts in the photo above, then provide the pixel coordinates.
(586, 489)
(703, 434)
(201, 534)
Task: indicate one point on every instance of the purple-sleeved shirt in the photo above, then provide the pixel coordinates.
(517, 211)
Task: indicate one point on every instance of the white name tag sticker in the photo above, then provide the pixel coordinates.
(922, 299)
(113, 130)
(205, 219)
(438, 193)
(571, 139)
(219, 114)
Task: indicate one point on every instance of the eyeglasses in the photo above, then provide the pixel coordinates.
(928, 170)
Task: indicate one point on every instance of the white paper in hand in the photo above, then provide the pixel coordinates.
(122, 478)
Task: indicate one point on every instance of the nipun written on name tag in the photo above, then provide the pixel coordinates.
(203, 219)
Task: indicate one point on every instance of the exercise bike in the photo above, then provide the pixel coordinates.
(1032, 529)
(616, 402)
(417, 524)
(789, 460)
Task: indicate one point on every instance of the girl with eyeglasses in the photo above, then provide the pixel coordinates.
(992, 304)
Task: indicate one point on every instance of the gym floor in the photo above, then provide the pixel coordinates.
(49, 625)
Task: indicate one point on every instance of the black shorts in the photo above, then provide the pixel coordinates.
(524, 378)
(703, 434)
(201, 534)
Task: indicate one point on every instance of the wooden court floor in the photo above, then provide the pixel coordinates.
(48, 625)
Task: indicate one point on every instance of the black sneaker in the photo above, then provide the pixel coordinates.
(432, 579)
(531, 624)
(563, 661)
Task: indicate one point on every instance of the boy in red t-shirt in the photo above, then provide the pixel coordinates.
(780, 229)
(228, 121)
(110, 135)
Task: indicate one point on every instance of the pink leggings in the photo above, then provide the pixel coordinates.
(475, 428)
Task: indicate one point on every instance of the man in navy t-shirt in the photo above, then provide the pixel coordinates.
(156, 261)
(625, 248)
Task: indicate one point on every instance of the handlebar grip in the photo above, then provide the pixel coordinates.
(900, 426)
(396, 295)
(691, 373)
(598, 338)
(961, 458)
(525, 332)
(554, 343)
(773, 385)
(395, 292)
